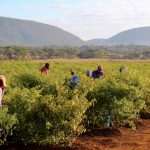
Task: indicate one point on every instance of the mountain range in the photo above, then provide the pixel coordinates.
(136, 36)
(32, 33)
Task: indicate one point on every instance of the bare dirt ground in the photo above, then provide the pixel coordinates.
(106, 139)
(119, 139)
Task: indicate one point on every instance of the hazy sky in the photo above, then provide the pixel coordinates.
(87, 19)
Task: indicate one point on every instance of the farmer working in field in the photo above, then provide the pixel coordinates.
(123, 69)
(73, 82)
(98, 73)
(2, 88)
(88, 73)
(45, 68)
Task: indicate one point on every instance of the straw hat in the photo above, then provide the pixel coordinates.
(3, 80)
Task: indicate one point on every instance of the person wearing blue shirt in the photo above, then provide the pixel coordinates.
(74, 81)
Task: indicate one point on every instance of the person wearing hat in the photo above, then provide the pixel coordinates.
(88, 73)
(98, 73)
(2, 88)
(45, 68)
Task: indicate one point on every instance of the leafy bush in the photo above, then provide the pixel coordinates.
(48, 111)
(7, 124)
(28, 80)
(53, 119)
(115, 98)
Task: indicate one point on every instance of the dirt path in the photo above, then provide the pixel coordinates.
(120, 139)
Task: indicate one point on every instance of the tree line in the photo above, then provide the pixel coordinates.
(83, 52)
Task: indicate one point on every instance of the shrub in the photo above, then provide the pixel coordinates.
(7, 124)
(28, 80)
(115, 98)
(54, 119)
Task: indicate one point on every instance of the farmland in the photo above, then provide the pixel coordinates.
(39, 108)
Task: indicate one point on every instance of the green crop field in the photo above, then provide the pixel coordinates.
(40, 108)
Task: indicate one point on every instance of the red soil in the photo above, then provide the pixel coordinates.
(106, 139)
(120, 139)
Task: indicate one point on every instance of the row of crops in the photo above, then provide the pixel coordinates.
(39, 108)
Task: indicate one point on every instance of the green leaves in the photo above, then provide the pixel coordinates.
(42, 109)
(7, 124)
(117, 98)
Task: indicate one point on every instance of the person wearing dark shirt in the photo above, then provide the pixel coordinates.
(98, 73)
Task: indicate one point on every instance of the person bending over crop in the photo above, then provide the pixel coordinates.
(2, 88)
(98, 73)
(88, 73)
(45, 68)
(74, 81)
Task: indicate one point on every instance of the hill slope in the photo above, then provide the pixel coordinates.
(137, 36)
(31, 33)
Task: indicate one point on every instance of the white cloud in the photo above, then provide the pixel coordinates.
(91, 18)
(102, 19)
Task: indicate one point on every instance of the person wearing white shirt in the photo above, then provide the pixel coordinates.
(2, 88)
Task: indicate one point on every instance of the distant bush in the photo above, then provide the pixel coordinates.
(28, 80)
